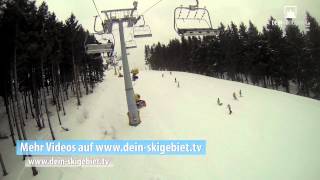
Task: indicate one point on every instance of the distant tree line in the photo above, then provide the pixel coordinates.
(43, 62)
(271, 58)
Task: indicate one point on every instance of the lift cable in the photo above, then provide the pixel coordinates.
(151, 7)
(97, 10)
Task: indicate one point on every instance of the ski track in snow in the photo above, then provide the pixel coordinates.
(270, 135)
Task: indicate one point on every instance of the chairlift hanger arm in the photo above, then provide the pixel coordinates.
(135, 6)
(142, 19)
(118, 10)
(194, 6)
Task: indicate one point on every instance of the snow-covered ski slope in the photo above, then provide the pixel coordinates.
(271, 135)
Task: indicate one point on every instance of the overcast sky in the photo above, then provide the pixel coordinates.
(160, 18)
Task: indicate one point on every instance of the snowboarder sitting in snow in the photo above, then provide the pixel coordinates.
(134, 77)
(219, 103)
(140, 103)
(135, 72)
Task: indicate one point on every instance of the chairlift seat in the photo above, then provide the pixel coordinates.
(99, 48)
(142, 35)
(197, 32)
(142, 31)
(131, 47)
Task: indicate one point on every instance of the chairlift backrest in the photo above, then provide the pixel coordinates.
(142, 31)
(99, 48)
(131, 44)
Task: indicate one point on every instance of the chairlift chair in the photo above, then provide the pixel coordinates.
(142, 30)
(193, 14)
(107, 47)
(109, 39)
(131, 44)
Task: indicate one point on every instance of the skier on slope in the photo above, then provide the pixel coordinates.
(235, 96)
(219, 103)
(140, 103)
(240, 93)
(229, 107)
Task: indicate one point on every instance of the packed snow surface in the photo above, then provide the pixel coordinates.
(271, 135)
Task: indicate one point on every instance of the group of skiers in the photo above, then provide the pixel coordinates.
(175, 80)
(229, 106)
(140, 103)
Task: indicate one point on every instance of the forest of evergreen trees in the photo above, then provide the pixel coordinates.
(43, 62)
(271, 58)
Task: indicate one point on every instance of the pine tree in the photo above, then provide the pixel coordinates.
(37, 63)
(294, 48)
(271, 58)
(313, 50)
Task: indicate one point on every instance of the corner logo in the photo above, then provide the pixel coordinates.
(290, 12)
